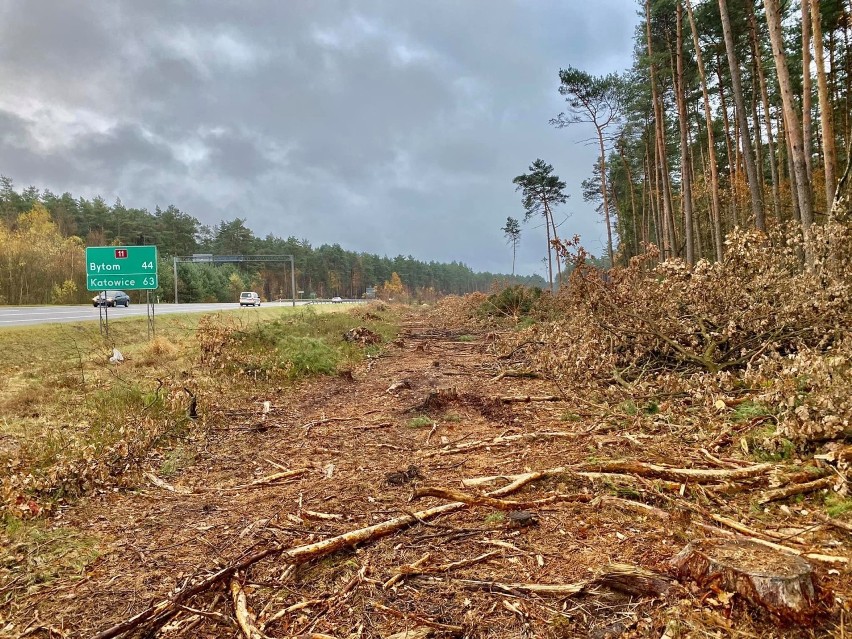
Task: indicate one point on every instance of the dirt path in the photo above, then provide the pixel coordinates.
(421, 415)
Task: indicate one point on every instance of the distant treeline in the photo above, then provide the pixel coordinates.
(43, 238)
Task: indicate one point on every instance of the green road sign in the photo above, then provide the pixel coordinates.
(129, 268)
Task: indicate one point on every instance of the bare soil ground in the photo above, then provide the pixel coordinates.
(431, 412)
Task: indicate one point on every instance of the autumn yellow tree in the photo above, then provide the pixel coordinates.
(37, 264)
(392, 289)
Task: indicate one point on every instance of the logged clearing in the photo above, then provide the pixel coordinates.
(439, 487)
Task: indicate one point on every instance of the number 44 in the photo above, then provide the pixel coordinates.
(147, 265)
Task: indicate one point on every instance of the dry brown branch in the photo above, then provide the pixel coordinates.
(742, 528)
(491, 502)
(420, 632)
(418, 619)
(245, 619)
(310, 514)
(526, 399)
(515, 373)
(621, 577)
(694, 475)
(257, 483)
(503, 441)
(543, 590)
(642, 469)
(842, 525)
(406, 569)
(797, 489)
(263, 481)
(464, 563)
(372, 426)
(715, 460)
(161, 483)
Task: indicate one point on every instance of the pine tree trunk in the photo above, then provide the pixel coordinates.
(829, 151)
(661, 164)
(767, 115)
(685, 169)
(729, 149)
(736, 86)
(791, 117)
(629, 173)
(807, 133)
(605, 193)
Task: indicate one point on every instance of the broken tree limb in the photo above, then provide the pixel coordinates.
(625, 578)
(491, 502)
(641, 469)
(526, 399)
(257, 483)
(515, 373)
(244, 618)
(161, 483)
(797, 489)
(503, 441)
(836, 523)
(262, 481)
(694, 475)
(406, 569)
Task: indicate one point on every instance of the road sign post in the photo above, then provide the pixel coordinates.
(128, 268)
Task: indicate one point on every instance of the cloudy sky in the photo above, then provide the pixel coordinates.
(387, 126)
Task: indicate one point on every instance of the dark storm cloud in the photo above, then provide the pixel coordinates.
(389, 127)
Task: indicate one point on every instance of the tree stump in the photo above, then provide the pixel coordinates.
(779, 582)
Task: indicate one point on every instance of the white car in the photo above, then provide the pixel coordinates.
(336, 300)
(249, 298)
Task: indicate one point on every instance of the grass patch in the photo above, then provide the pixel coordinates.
(495, 518)
(420, 421)
(34, 554)
(74, 422)
(302, 344)
(466, 338)
(568, 416)
(749, 410)
(176, 460)
(836, 506)
(765, 445)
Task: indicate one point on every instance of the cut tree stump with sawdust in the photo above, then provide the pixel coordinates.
(778, 582)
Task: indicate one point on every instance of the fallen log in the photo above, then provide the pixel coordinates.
(778, 582)
(492, 502)
(797, 489)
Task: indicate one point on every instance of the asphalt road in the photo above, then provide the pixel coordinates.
(28, 315)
